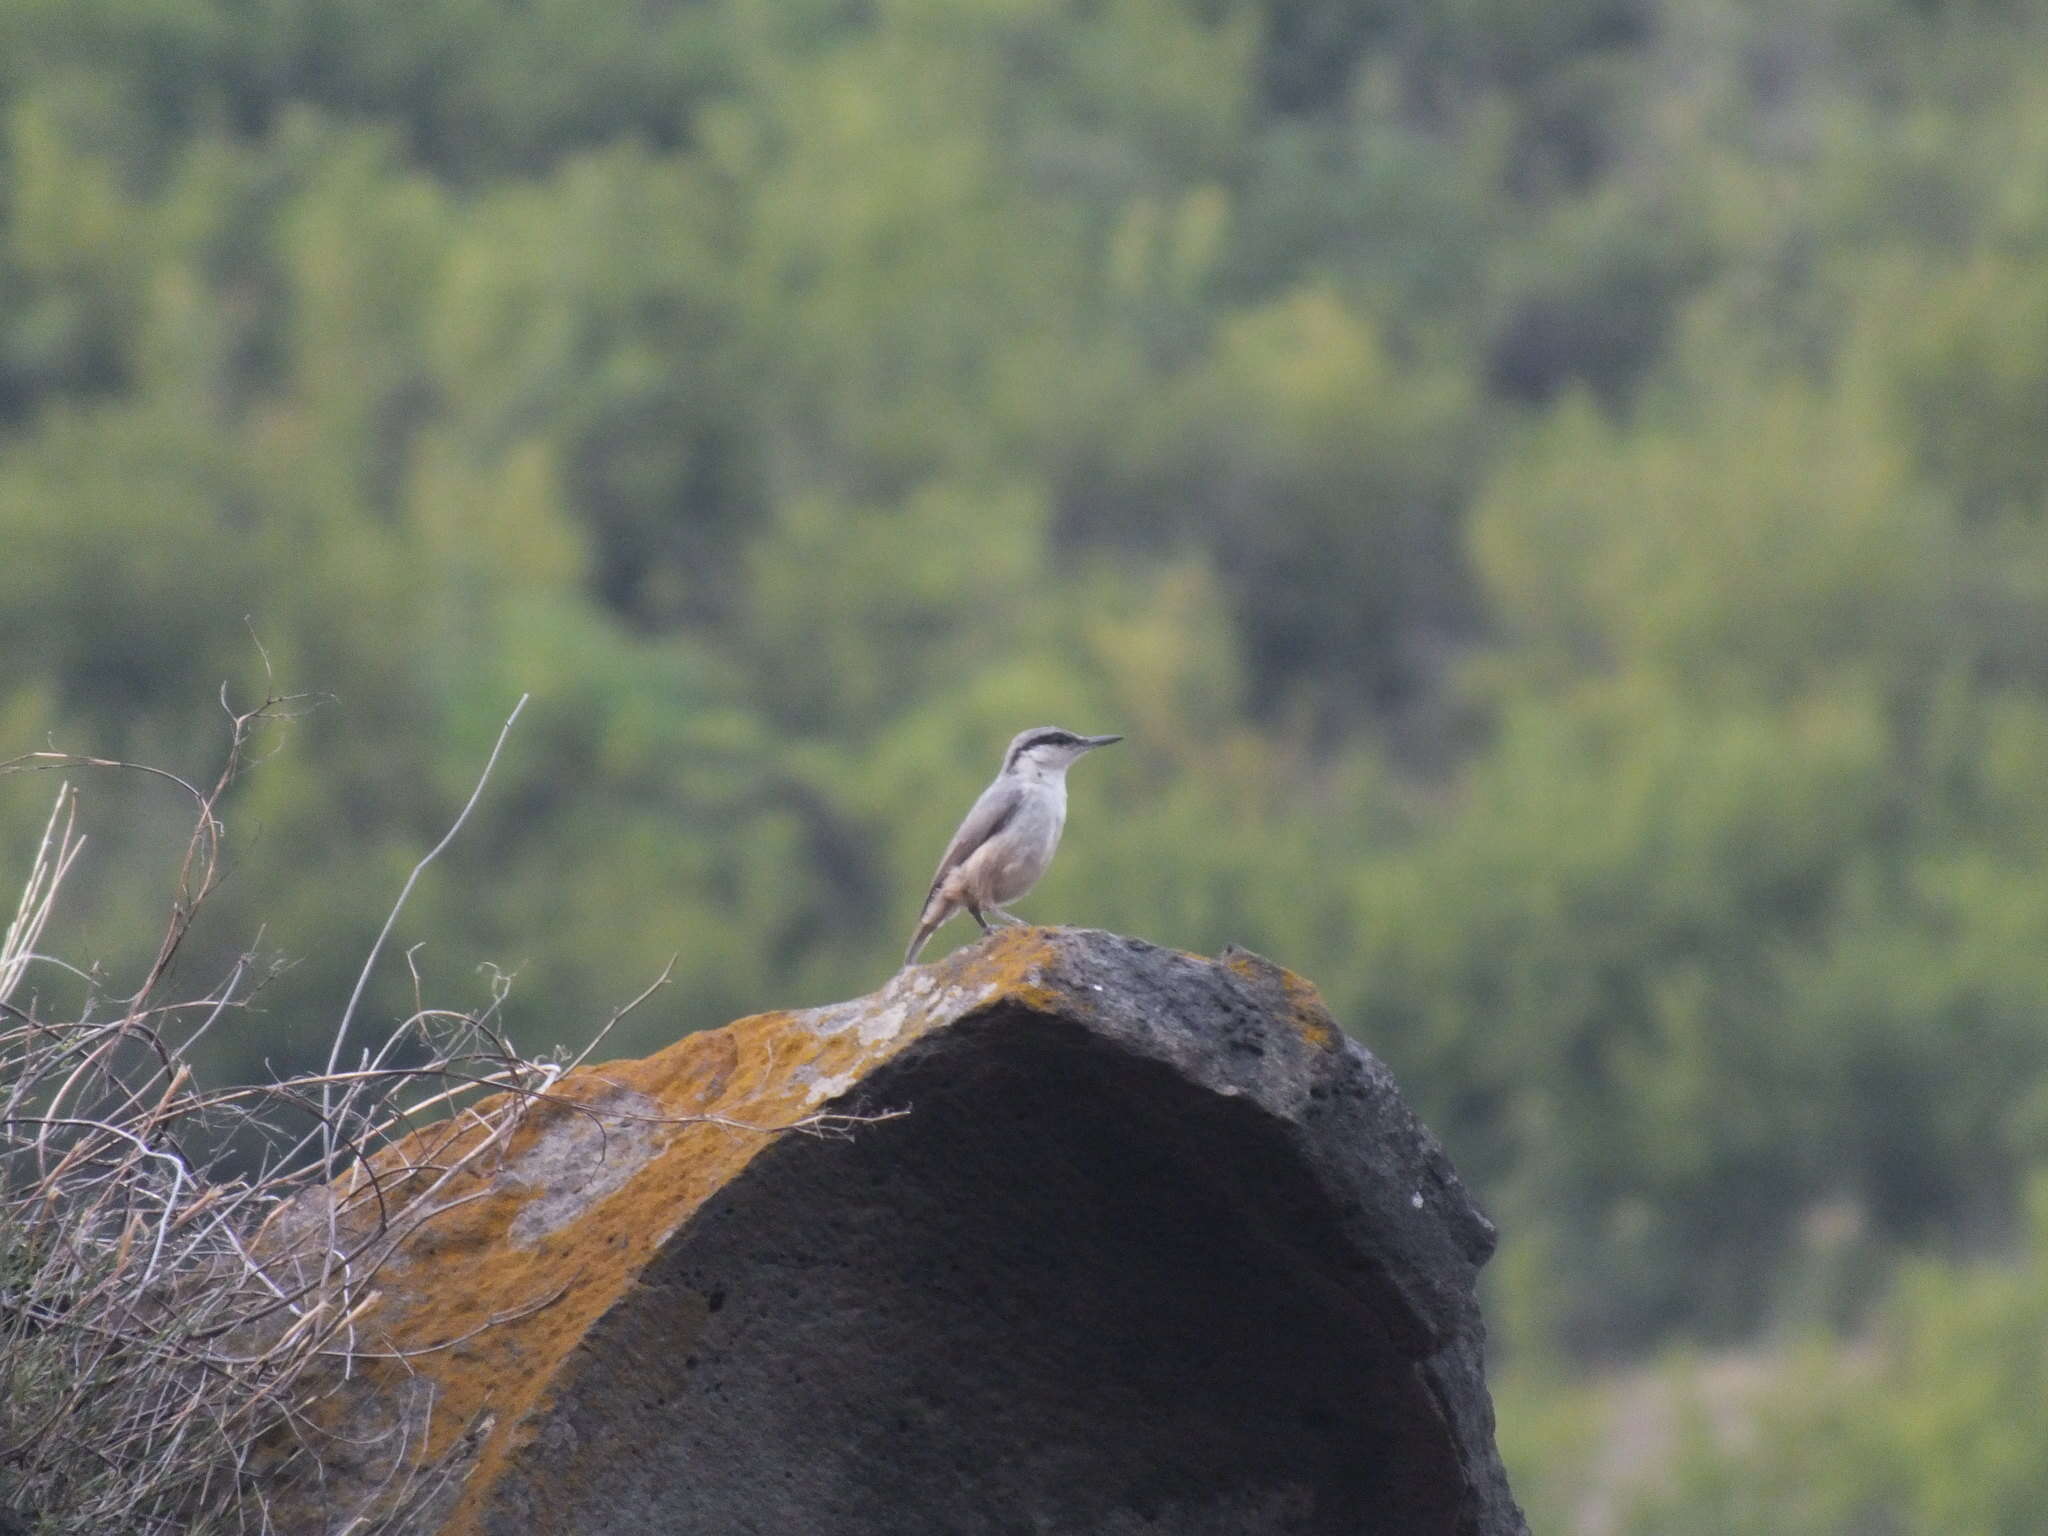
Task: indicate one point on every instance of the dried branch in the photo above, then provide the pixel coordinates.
(168, 1328)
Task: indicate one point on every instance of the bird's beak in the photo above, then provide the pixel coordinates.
(1100, 741)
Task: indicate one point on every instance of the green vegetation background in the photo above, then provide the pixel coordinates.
(1557, 496)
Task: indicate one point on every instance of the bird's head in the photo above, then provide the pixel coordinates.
(1050, 749)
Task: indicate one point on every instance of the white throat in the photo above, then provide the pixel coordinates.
(1030, 770)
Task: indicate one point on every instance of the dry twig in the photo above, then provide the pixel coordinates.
(167, 1327)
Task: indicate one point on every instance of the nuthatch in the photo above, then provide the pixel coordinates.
(1008, 839)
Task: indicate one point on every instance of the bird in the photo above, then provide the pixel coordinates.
(1008, 838)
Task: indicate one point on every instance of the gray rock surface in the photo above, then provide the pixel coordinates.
(1155, 1249)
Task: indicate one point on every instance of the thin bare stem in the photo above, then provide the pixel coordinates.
(168, 1329)
(355, 997)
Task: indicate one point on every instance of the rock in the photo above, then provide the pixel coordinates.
(1148, 1247)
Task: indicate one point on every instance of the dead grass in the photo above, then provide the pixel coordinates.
(167, 1325)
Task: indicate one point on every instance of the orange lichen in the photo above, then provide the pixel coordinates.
(1311, 1016)
(490, 1314)
(1306, 1010)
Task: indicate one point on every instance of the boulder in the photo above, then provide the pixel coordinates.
(1097, 1237)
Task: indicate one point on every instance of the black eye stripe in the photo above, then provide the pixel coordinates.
(1046, 738)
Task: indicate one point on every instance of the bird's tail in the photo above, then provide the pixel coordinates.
(936, 910)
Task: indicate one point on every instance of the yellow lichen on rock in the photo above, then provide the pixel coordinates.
(1114, 1233)
(1311, 1016)
(535, 1241)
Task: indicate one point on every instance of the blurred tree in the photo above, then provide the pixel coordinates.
(1553, 496)
(1929, 1427)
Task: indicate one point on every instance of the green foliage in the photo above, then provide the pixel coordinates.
(1931, 1425)
(1554, 498)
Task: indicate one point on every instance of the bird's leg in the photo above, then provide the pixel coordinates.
(974, 912)
(1008, 917)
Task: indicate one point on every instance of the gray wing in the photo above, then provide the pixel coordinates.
(994, 811)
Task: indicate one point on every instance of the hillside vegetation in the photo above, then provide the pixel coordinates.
(1556, 496)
